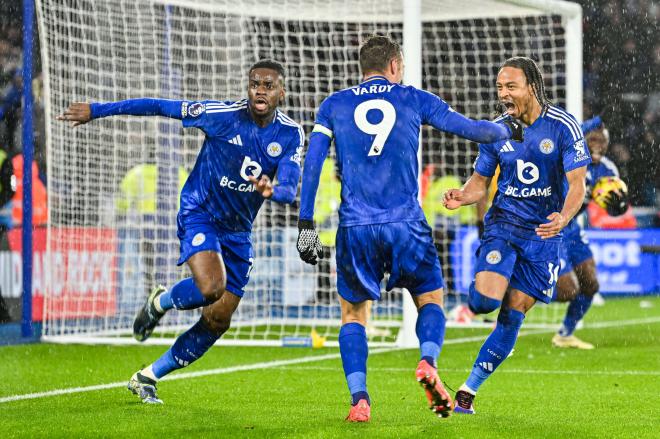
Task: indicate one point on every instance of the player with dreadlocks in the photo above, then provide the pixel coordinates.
(518, 259)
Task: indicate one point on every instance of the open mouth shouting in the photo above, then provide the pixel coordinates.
(510, 107)
(260, 104)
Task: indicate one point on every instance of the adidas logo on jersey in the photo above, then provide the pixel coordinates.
(236, 140)
(506, 147)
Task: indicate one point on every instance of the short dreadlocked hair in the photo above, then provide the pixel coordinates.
(532, 74)
(268, 64)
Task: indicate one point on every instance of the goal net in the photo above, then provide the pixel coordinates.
(114, 183)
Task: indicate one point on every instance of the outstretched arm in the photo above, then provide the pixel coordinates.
(80, 113)
(481, 131)
(472, 191)
(440, 115)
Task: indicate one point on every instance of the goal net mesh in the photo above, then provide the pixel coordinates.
(113, 184)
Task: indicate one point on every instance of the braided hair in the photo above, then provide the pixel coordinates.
(532, 74)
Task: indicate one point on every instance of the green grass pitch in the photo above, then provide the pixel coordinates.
(610, 392)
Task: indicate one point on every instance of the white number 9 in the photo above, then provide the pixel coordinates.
(381, 129)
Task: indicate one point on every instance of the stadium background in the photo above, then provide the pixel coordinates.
(68, 390)
(629, 106)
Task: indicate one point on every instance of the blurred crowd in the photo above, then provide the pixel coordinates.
(622, 84)
(11, 158)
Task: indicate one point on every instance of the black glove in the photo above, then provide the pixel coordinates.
(480, 228)
(616, 203)
(309, 245)
(515, 127)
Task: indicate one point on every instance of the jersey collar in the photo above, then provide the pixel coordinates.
(374, 78)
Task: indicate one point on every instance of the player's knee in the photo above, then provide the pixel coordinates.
(218, 323)
(213, 289)
(480, 304)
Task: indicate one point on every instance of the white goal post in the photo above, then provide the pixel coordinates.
(105, 247)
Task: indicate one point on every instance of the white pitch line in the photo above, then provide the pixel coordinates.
(504, 370)
(280, 363)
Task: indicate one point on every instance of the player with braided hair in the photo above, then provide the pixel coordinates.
(518, 259)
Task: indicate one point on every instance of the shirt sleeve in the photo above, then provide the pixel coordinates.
(573, 147)
(486, 162)
(288, 170)
(209, 116)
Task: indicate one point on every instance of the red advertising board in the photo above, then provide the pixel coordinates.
(78, 273)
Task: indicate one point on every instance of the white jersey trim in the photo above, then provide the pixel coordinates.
(219, 105)
(225, 110)
(566, 119)
(286, 120)
(318, 128)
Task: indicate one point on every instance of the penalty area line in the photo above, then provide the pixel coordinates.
(288, 362)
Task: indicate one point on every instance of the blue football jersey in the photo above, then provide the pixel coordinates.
(376, 127)
(532, 173)
(234, 149)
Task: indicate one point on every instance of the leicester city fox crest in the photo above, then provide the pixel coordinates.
(274, 149)
(547, 146)
(494, 257)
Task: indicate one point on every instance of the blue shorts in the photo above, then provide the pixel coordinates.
(531, 266)
(198, 232)
(574, 250)
(403, 249)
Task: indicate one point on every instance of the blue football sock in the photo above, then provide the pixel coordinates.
(497, 347)
(430, 329)
(184, 295)
(165, 301)
(187, 348)
(354, 351)
(575, 312)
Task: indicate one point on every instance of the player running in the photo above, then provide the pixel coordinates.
(247, 143)
(577, 277)
(376, 127)
(518, 258)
